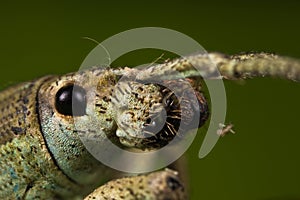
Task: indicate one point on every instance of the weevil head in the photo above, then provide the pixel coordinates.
(99, 104)
(67, 111)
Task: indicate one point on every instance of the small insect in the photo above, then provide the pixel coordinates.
(42, 155)
(225, 129)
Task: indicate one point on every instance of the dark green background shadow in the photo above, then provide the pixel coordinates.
(261, 161)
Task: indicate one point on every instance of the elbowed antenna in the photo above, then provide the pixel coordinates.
(240, 66)
(248, 65)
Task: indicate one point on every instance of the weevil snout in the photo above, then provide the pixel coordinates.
(147, 115)
(150, 115)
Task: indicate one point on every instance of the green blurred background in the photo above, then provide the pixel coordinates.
(261, 161)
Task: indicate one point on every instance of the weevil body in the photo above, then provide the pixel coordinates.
(26, 164)
(42, 154)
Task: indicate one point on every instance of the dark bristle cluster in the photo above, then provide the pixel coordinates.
(179, 110)
(173, 119)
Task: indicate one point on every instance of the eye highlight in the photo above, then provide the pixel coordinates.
(70, 100)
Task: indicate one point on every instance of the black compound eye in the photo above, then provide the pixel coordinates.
(71, 100)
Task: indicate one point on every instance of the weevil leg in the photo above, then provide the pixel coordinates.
(41, 190)
(154, 186)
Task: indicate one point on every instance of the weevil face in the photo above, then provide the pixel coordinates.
(103, 103)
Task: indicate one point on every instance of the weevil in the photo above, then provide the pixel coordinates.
(43, 156)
